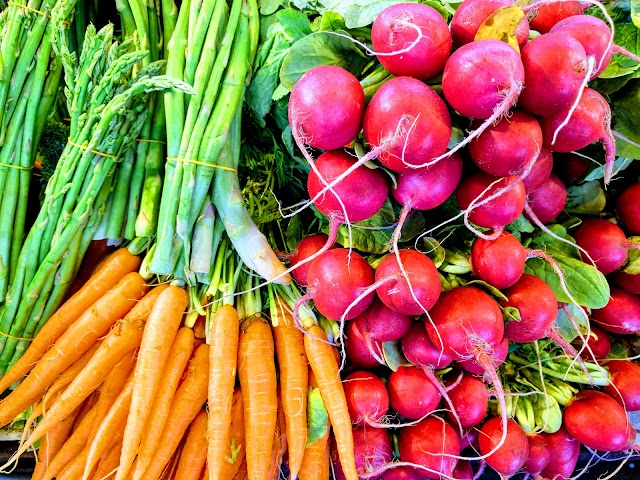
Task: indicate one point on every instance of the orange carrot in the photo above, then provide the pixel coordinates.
(235, 448)
(75, 467)
(242, 473)
(257, 372)
(315, 463)
(85, 409)
(179, 355)
(162, 326)
(194, 452)
(279, 445)
(205, 474)
(225, 330)
(294, 382)
(76, 340)
(108, 463)
(188, 401)
(325, 368)
(110, 272)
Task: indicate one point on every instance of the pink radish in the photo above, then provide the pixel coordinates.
(411, 394)
(402, 473)
(621, 314)
(566, 450)
(425, 121)
(547, 201)
(470, 399)
(545, 16)
(599, 422)
(432, 444)
(629, 282)
(326, 107)
(625, 385)
(367, 397)
(361, 353)
(506, 147)
(463, 470)
(628, 208)
(599, 342)
(499, 262)
(411, 39)
(307, 247)
(605, 242)
(512, 454)
(497, 358)
(540, 171)
(420, 350)
(539, 455)
(572, 168)
(372, 448)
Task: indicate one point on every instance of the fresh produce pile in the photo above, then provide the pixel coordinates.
(356, 239)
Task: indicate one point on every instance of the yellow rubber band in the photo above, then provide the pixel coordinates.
(203, 164)
(150, 140)
(15, 338)
(82, 147)
(18, 167)
(27, 7)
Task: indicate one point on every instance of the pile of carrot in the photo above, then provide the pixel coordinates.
(118, 388)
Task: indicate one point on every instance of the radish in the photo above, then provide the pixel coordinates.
(621, 314)
(511, 455)
(367, 397)
(483, 79)
(547, 201)
(425, 121)
(628, 282)
(471, 14)
(624, 387)
(463, 470)
(402, 473)
(420, 350)
(411, 39)
(566, 450)
(336, 280)
(599, 342)
(361, 353)
(566, 130)
(572, 168)
(498, 212)
(599, 422)
(628, 208)
(326, 107)
(373, 449)
(307, 247)
(469, 439)
(545, 16)
(432, 444)
(413, 295)
(539, 455)
(411, 394)
(555, 67)
(500, 353)
(470, 399)
(540, 171)
(506, 147)
(605, 242)
(499, 262)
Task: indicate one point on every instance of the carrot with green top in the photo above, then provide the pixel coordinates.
(315, 463)
(235, 450)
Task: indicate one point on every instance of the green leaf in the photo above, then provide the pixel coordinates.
(456, 262)
(511, 314)
(322, 48)
(328, 21)
(489, 288)
(633, 260)
(356, 13)
(520, 224)
(294, 233)
(626, 121)
(564, 325)
(586, 199)
(635, 12)
(413, 226)
(434, 250)
(549, 244)
(393, 356)
(620, 164)
(267, 7)
(317, 416)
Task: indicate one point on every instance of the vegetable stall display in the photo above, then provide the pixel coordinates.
(346, 240)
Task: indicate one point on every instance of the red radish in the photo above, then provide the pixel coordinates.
(373, 449)
(545, 16)
(420, 350)
(307, 247)
(409, 298)
(469, 439)
(511, 456)
(326, 107)
(497, 212)
(499, 262)
(336, 280)
(628, 208)
(463, 470)
(358, 350)
(625, 384)
(547, 201)
(599, 422)
(402, 473)
(555, 67)
(483, 79)
(427, 443)
(470, 14)
(590, 122)
(628, 282)
(572, 168)
(539, 455)
(470, 398)
(379, 323)
(566, 450)
(605, 242)
(540, 171)
(411, 394)
(497, 358)
(411, 39)
(506, 147)
(421, 115)
(621, 314)
(599, 343)
(367, 397)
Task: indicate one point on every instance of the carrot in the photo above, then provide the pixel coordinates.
(110, 272)
(294, 381)
(194, 452)
(242, 473)
(179, 355)
(108, 463)
(85, 409)
(235, 449)
(159, 333)
(257, 371)
(75, 341)
(315, 463)
(325, 368)
(279, 445)
(205, 474)
(188, 401)
(75, 467)
(223, 357)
